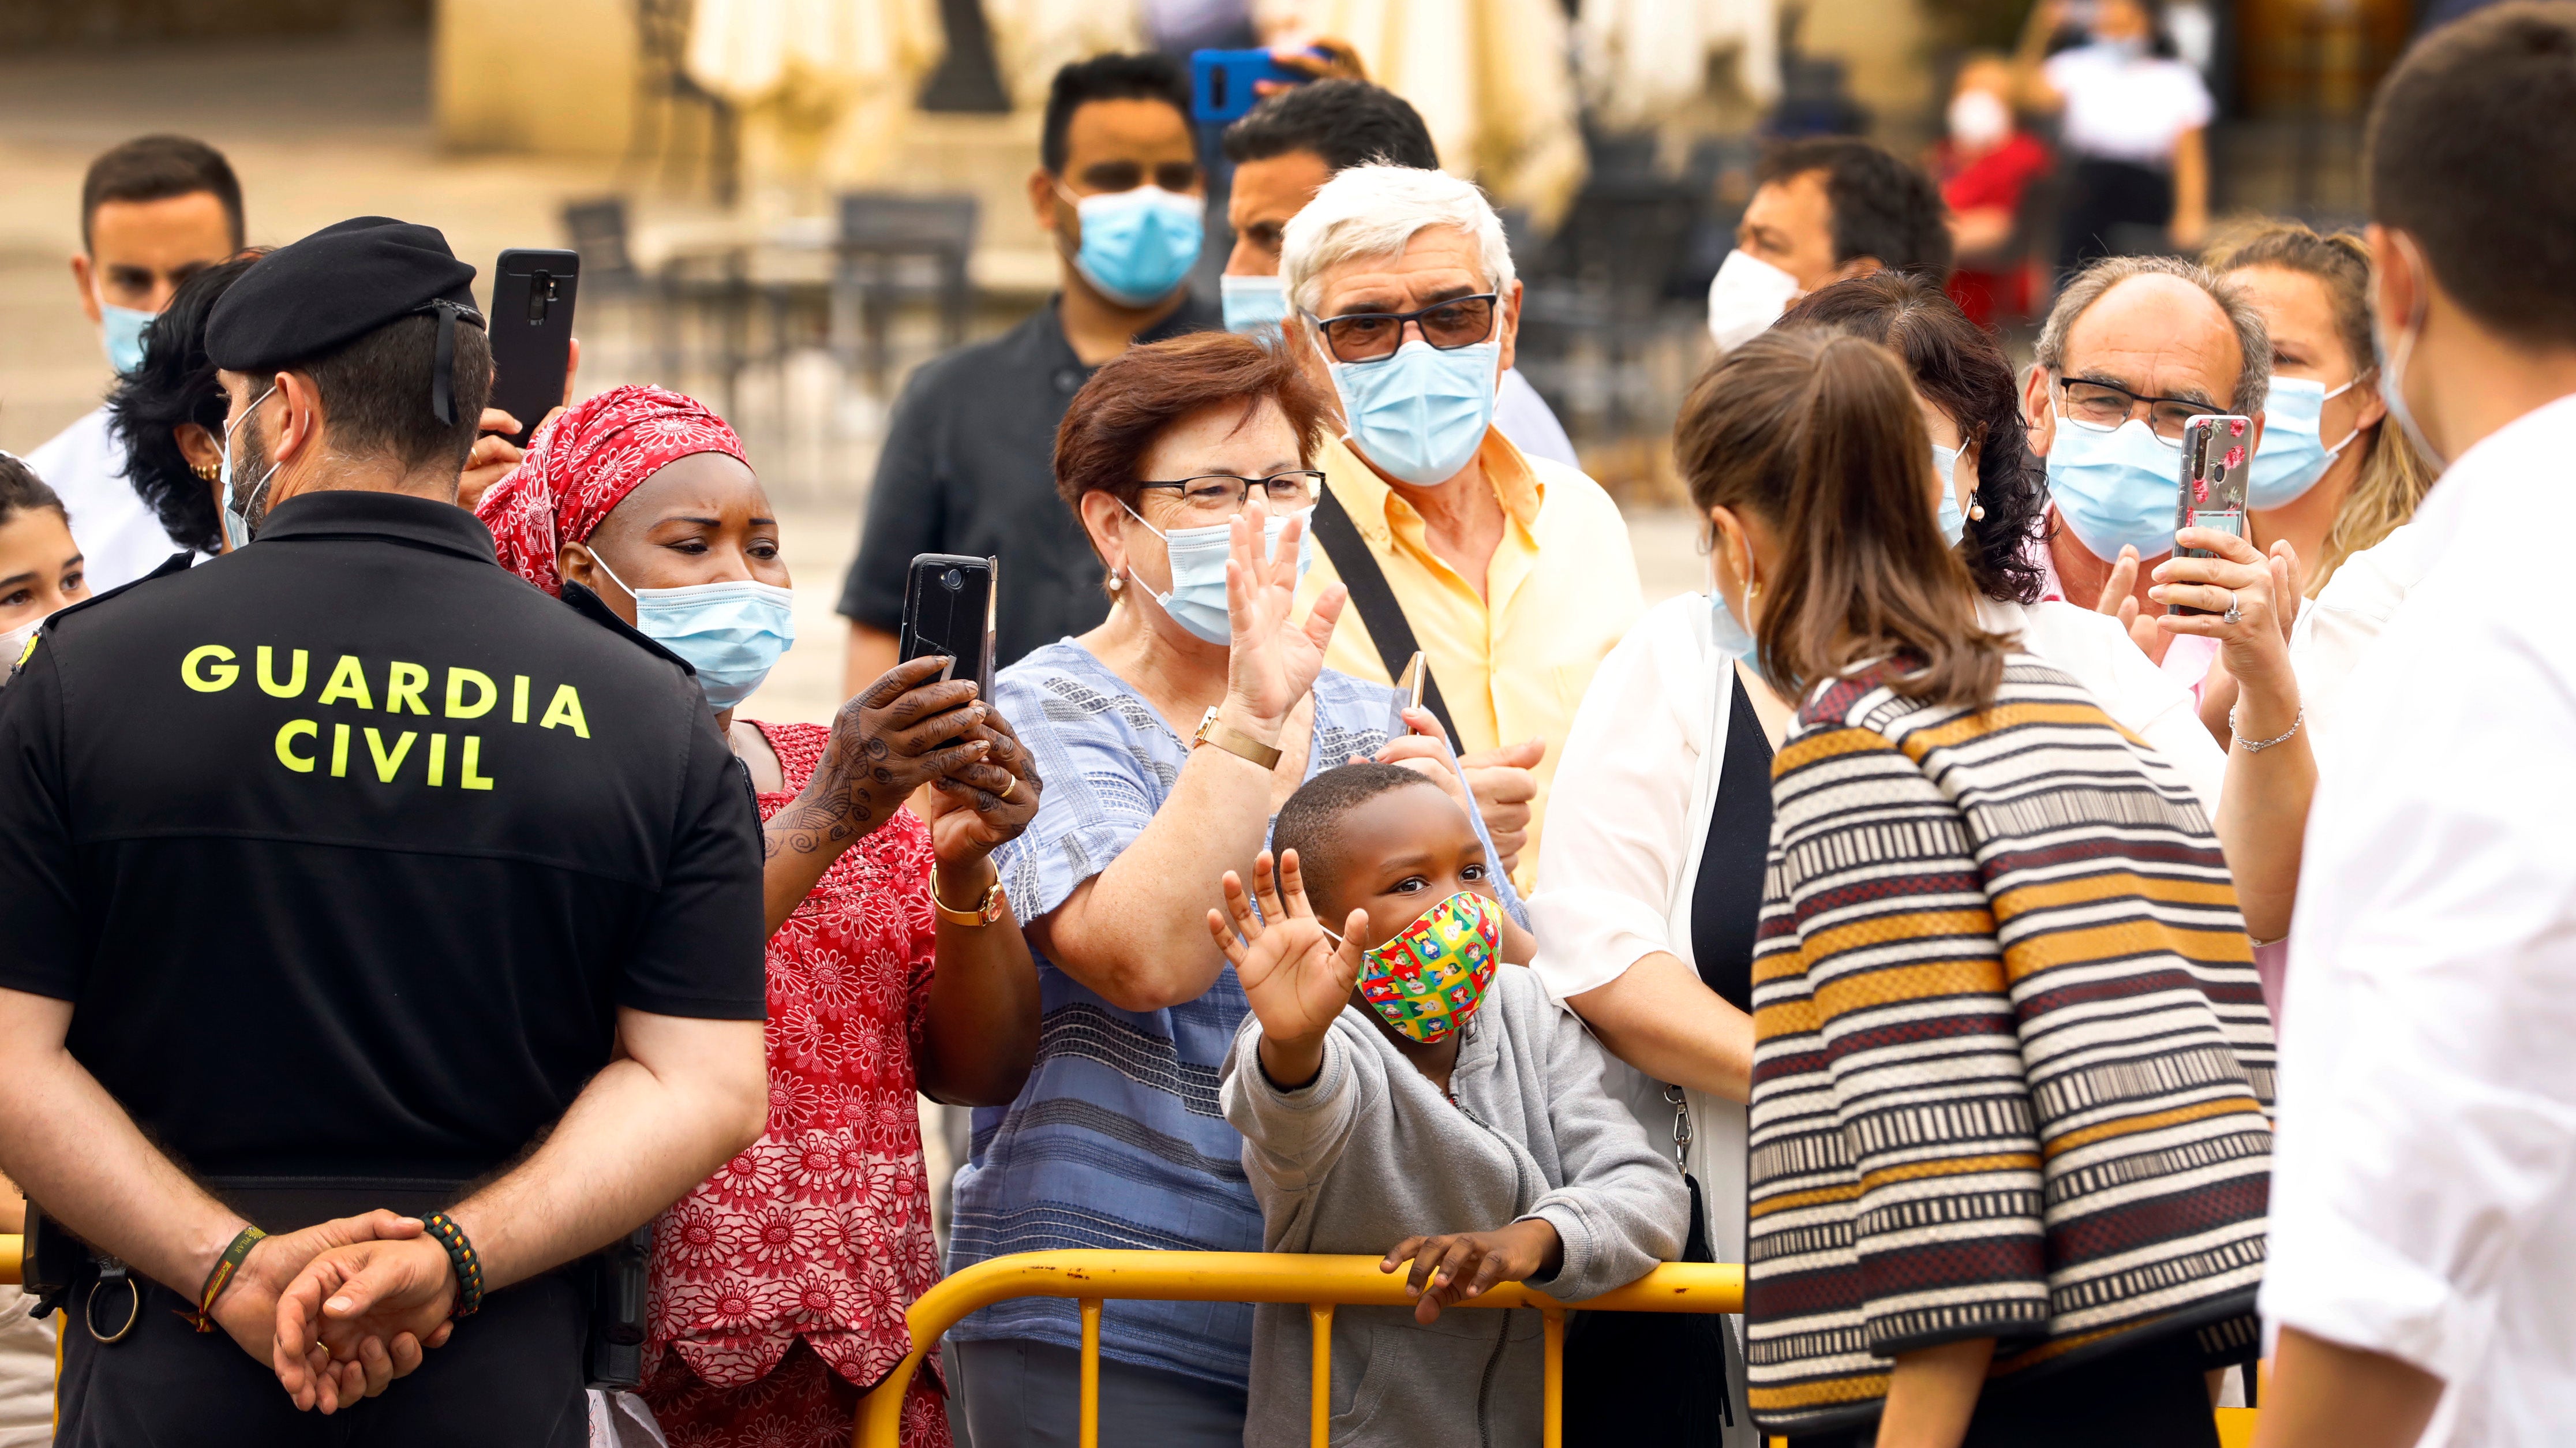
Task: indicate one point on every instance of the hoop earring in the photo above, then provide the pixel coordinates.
(206, 472)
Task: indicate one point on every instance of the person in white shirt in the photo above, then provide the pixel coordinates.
(2423, 1227)
(2133, 119)
(155, 211)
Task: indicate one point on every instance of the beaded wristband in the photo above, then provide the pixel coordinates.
(469, 1266)
(220, 1276)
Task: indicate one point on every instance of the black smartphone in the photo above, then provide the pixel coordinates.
(948, 602)
(2215, 457)
(531, 327)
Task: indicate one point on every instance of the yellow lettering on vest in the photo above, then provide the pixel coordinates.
(403, 688)
(466, 778)
(458, 680)
(565, 710)
(268, 680)
(206, 678)
(348, 681)
(339, 751)
(518, 698)
(438, 759)
(296, 729)
(388, 765)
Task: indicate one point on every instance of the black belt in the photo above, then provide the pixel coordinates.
(277, 1204)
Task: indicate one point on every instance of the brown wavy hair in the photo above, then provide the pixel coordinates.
(1115, 418)
(2394, 477)
(1815, 432)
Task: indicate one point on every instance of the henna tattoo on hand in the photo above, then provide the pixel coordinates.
(875, 746)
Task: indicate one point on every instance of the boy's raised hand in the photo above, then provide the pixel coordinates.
(1448, 1270)
(1297, 979)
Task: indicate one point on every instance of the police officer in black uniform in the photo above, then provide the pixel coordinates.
(346, 872)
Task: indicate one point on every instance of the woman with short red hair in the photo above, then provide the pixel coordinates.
(1168, 736)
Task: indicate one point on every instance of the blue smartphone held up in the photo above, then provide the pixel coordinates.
(1221, 82)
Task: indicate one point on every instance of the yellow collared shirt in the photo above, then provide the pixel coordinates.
(1561, 591)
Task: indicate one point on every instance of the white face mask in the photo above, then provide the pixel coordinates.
(1747, 296)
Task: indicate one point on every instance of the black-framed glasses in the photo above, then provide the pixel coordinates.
(1369, 336)
(2103, 406)
(1222, 495)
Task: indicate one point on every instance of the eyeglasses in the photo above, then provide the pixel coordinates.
(1102, 176)
(1369, 336)
(1222, 495)
(2103, 406)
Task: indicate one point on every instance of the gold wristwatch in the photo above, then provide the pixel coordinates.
(986, 911)
(1235, 742)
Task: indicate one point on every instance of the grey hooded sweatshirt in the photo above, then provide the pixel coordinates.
(1372, 1153)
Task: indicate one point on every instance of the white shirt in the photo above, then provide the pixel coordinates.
(1530, 423)
(2424, 1179)
(2124, 107)
(2345, 618)
(120, 537)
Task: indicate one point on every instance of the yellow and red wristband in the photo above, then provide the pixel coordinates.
(221, 1276)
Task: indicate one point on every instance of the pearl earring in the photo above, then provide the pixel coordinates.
(1116, 583)
(1976, 511)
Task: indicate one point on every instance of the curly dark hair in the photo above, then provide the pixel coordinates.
(176, 386)
(1961, 369)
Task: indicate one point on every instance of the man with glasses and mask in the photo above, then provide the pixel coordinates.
(2135, 348)
(967, 461)
(1512, 573)
(359, 895)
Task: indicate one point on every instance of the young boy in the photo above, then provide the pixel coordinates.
(1401, 1085)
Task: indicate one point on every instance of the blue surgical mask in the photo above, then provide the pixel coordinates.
(2393, 355)
(2115, 487)
(1945, 466)
(1421, 414)
(1138, 244)
(2293, 455)
(1197, 600)
(1253, 305)
(732, 633)
(1729, 636)
(238, 499)
(120, 331)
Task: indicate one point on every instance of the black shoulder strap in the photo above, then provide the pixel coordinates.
(1387, 626)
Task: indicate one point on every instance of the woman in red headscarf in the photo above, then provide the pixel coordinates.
(779, 1286)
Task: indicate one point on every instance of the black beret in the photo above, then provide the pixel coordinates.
(333, 287)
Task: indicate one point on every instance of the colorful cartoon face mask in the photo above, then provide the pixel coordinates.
(1427, 981)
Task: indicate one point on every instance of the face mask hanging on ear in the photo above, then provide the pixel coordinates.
(1945, 466)
(2392, 360)
(732, 633)
(237, 501)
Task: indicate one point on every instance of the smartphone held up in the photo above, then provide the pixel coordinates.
(531, 328)
(2216, 451)
(948, 612)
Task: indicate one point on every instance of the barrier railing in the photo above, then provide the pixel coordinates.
(1322, 1283)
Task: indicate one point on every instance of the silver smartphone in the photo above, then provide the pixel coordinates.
(1408, 695)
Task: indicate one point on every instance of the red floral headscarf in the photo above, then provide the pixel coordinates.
(584, 463)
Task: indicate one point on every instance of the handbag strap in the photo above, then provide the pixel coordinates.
(1387, 626)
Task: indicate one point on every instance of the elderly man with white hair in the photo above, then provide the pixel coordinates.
(1510, 573)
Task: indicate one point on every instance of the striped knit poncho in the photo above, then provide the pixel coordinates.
(2012, 1070)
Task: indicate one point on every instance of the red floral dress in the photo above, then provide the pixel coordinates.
(779, 1285)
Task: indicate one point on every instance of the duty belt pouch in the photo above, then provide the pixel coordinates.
(63, 1273)
(614, 1352)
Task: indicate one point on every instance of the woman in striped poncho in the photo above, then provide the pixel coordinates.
(2012, 1073)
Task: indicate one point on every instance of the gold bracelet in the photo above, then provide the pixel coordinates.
(986, 910)
(1235, 742)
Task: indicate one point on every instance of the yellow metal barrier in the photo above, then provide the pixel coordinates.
(1322, 1283)
(12, 1270)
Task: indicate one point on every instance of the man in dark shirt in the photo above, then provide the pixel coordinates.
(969, 463)
(339, 873)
